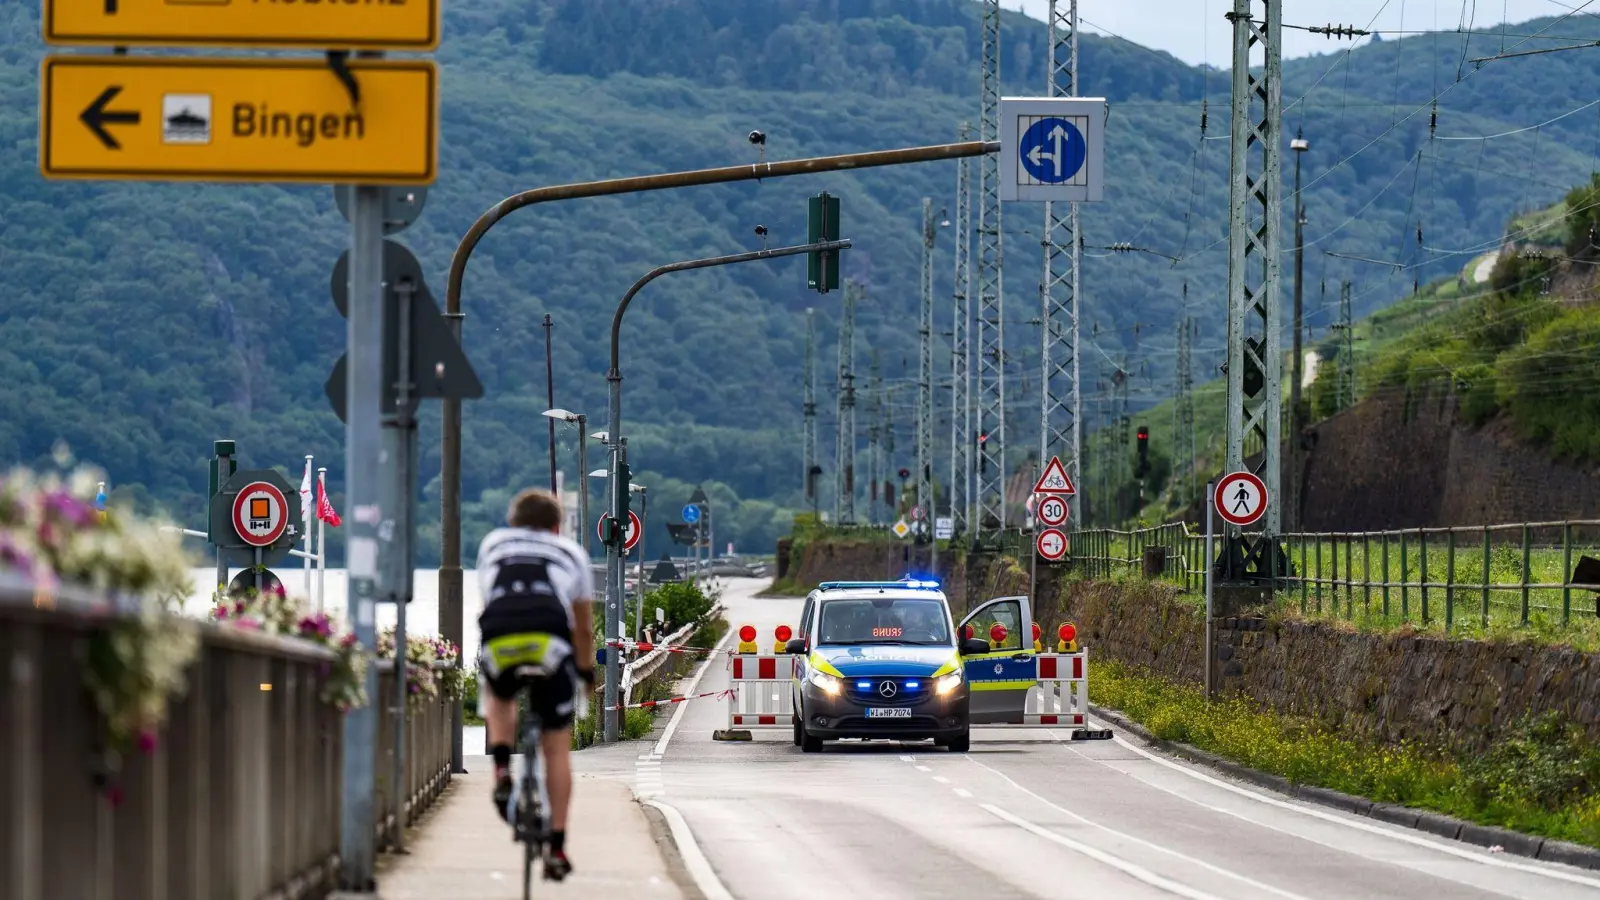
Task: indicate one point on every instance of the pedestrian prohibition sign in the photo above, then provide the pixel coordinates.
(260, 514)
(1240, 498)
(1051, 544)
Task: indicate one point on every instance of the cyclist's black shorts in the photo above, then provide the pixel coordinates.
(550, 696)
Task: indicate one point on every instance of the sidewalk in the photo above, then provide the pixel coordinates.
(463, 850)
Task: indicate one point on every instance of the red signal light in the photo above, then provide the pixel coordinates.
(747, 633)
(1144, 434)
(997, 633)
(1067, 633)
(783, 633)
(1036, 631)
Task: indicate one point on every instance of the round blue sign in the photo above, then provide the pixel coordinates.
(1052, 150)
(691, 514)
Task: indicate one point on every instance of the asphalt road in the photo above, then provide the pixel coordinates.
(1028, 814)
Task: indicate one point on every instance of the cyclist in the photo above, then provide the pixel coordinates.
(537, 587)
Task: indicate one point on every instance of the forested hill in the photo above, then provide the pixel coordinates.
(142, 321)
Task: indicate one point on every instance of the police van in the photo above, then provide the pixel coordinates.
(885, 660)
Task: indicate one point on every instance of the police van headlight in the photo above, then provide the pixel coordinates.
(944, 684)
(828, 683)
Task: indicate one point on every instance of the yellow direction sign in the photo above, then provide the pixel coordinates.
(273, 120)
(391, 24)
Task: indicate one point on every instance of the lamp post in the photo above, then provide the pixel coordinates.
(1297, 419)
(644, 522)
(583, 470)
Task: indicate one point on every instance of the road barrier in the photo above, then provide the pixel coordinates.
(761, 696)
(238, 797)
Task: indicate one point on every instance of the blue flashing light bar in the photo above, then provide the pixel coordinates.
(911, 685)
(867, 585)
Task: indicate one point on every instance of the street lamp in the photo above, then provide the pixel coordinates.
(583, 464)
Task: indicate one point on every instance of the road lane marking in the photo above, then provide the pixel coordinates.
(677, 714)
(941, 779)
(923, 769)
(1316, 813)
(1288, 895)
(963, 792)
(1127, 868)
(694, 860)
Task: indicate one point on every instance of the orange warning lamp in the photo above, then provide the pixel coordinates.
(747, 640)
(1068, 635)
(782, 633)
(747, 633)
(997, 634)
(1036, 633)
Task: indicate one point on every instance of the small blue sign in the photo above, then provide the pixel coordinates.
(1052, 150)
(691, 514)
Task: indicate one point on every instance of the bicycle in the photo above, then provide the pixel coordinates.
(526, 808)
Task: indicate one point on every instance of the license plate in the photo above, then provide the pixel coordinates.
(890, 713)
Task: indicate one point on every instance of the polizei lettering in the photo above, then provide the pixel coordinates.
(256, 120)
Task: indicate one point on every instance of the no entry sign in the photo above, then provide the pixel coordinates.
(1240, 498)
(634, 527)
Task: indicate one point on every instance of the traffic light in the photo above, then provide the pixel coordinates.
(822, 224)
(1143, 437)
(904, 474)
(983, 461)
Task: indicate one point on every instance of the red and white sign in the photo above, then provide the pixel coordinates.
(1055, 480)
(916, 514)
(1051, 544)
(634, 528)
(1240, 498)
(260, 514)
(1052, 510)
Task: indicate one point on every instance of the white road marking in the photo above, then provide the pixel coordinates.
(694, 860)
(1100, 856)
(963, 793)
(1138, 840)
(677, 714)
(941, 779)
(923, 769)
(1316, 813)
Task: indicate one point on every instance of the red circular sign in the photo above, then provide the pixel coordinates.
(260, 514)
(1067, 632)
(997, 633)
(1240, 498)
(1052, 510)
(747, 633)
(1051, 544)
(783, 633)
(635, 527)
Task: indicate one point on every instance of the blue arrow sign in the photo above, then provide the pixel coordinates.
(691, 514)
(1052, 150)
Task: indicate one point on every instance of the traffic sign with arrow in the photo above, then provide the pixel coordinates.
(411, 25)
(217, 119)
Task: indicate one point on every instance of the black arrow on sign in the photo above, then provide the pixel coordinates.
(97, 117)
(111, 7)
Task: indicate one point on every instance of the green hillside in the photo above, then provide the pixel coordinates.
(142, 321)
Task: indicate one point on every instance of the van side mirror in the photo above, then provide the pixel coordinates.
(974, 646)
(796, 645)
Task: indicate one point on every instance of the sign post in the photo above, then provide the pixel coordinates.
(1210, 648)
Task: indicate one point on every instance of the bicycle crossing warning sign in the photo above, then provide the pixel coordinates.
(1055, 480)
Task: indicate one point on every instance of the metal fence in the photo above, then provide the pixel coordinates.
(240, 796)
(1491, 574)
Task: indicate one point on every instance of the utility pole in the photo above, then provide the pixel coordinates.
(991, 486)
(1059, 414)
(1347, 349)
(960, 488)
(1183, 430)
(550, 400)
(874, 441)
(809, 409)
(1297, 414)
(844, 508)
(1255, 363)
(925, 375)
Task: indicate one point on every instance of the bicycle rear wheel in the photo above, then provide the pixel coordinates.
(530, 853)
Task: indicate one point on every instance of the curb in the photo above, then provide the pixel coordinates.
(1512, 842)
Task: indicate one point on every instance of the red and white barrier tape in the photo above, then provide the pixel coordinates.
(647, 647)
(649, 704)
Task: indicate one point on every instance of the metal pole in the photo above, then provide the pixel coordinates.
(1060, 428)
(613, 555)
(960, 489)
(364, 357)
(258, 569)
(809, 410)
(583, 486)
(925, 386)
(401, 439)
(644, 523)
(1211, 567)
(451, 579)
(990, 367)
(305, 522)
(550, 398)
(322, 546)
(1297, 419)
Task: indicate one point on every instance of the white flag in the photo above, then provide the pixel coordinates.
(305, 493)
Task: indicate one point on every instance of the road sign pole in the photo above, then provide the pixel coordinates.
(1211, 566)
(400, 440)
(644, 520)
(613, 551)
(364, 390)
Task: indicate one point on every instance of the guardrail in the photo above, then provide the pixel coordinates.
(238, 798)
(637, 671)
(1495, 574)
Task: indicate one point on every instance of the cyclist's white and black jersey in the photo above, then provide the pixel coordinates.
(530, 581)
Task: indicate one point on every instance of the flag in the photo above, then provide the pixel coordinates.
(100, 501)
(305, 493)
(325, 510)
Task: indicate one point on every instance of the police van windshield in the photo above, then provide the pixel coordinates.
(884, 621)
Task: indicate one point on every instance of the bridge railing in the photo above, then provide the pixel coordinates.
(1509, 574)
(238, 797)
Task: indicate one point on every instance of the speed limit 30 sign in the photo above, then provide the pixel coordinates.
(1052, 510)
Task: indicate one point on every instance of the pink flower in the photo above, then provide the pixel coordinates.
(147, 742)
(247, 623)
(349, 640)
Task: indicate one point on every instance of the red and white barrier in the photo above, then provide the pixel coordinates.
(1062, 695)
(761, 692)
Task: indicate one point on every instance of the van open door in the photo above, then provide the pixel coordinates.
(999, 680)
